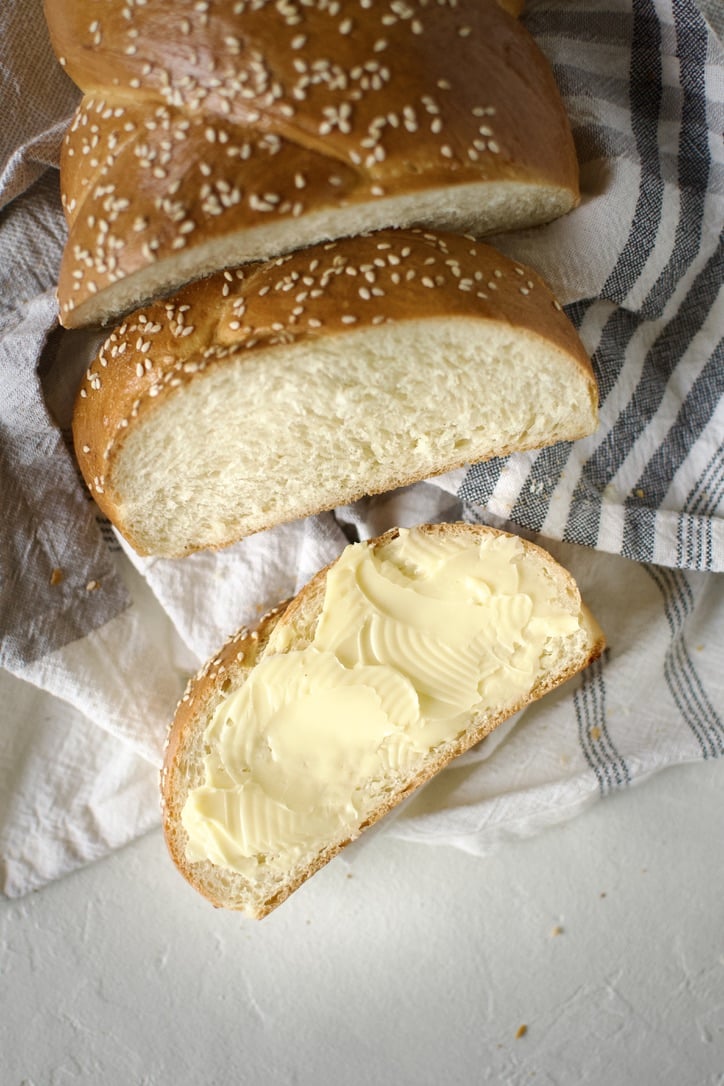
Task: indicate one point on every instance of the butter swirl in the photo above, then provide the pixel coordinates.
(413, 638)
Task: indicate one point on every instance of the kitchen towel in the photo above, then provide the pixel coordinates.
(97, 643)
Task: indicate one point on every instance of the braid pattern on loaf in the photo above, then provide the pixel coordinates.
(204, 119)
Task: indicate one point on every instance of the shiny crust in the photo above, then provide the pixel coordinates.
(230, 668)
(344, 286)
(208, 121)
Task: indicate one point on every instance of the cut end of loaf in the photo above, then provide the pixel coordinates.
(521, 589)
(299, 124)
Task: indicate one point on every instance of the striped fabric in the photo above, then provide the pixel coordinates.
(696, 708)
(644, 87)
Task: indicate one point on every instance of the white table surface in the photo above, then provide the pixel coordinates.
(398, 964)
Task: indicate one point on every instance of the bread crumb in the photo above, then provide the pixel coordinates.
(56, 576)
(557, 930)
(92, 586)
(521, 1032)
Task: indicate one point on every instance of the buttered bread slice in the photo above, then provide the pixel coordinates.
(401, 655)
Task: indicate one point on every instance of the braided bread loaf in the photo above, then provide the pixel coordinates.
(215, 132)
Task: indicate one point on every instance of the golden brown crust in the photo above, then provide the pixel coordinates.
(328, 290)
(229, 669)
(205, 121)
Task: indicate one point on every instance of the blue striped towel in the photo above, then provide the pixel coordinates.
(642, 266)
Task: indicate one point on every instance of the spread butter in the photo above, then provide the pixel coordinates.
(413, 637)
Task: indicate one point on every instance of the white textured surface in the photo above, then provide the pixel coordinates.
(396, 964)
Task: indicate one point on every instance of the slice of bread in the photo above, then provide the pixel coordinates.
(286, 388)
(392, 661)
